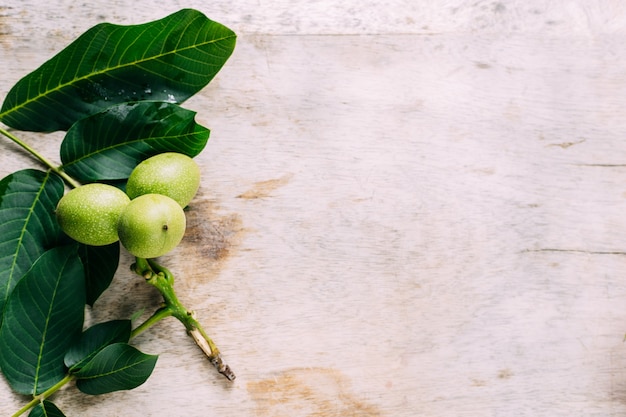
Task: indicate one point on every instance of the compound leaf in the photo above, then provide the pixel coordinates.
(116, 367)
(43, 317)
(109, 144)
(28, 227)
(167, 60)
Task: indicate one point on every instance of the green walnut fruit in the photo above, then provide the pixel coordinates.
(151, 225)
(89, 213)
(172, 174)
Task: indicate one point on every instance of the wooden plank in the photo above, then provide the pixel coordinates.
(411, 222)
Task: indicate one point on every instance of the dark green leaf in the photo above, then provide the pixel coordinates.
(95, 339)
(100, 264)
(116, 367)
(109, 144)
(28, 227)
(169, 59)
(43, 317)
(46, 409)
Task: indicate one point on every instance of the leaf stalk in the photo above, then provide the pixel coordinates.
(44, 395)
(163, 280)
(158, 315)
(57, 170)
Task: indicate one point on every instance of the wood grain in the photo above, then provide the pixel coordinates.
(407, 209)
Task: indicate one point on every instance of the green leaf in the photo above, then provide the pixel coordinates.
(46, 409)
(100, 264)
(169, 59)
(28, 227)
(109, 144)
(43, 317)
(95, 339)
(116, 367)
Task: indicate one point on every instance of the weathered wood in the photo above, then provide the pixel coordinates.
(407, 209)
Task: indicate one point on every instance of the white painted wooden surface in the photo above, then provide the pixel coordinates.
(408, 209)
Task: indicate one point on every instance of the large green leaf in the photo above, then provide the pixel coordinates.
(169, 59)
(116, 367)
(100, 264)
(43, 317)
(46, 409)
(27, 224)
(109, 144)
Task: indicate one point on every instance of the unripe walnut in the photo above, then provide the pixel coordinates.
(172, 174)
(151, 225)
(89, 214)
